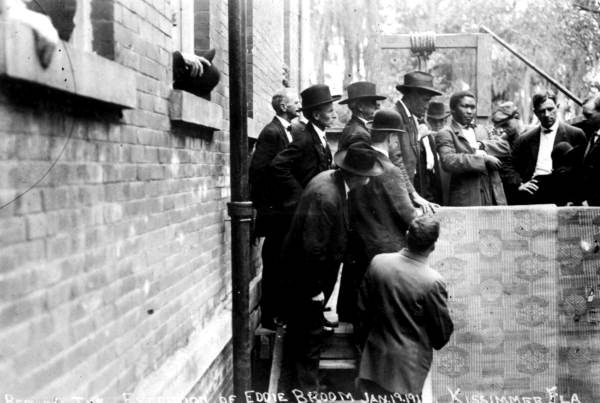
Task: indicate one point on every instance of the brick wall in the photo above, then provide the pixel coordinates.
(115, 267)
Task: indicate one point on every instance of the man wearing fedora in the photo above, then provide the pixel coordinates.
(308, 154)
(363, 101)
(470, 154)
(271, 223)
(312, 253)
(380, 211)
(417, 90)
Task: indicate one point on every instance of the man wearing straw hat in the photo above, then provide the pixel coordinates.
(312, 253)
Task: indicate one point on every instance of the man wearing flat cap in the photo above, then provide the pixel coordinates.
(508, 126)
(417, 90)
(308, 154)
(363, 101)
(507, 123)
(380, 211)
(312, 253)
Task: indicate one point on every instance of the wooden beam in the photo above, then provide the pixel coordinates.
(442, 41)
(484, 76)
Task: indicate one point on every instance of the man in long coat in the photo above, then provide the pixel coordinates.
(363, 101)
(591, 159)
(403, 306)
(380, 212)
(312, 253)
(470, 155)
(271, 222)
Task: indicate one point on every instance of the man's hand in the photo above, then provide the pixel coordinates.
(492, 162)
(195, 64)
(530, 187)
(426, 206)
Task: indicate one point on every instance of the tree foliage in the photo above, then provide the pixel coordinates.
(557, 35)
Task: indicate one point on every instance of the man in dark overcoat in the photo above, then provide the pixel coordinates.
(470, 155)
(380, 211)
(308, 153)
(530, 165)
(312, 253)
(363, 101)
(404, 315)
(271, 222)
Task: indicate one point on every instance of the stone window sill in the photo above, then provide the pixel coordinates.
(189, 108)
(71, 70)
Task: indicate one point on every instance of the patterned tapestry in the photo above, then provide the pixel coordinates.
(524, 288)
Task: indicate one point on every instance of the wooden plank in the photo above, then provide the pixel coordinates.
(484, 76)
(277, 361)
(441, 41)
(71, 70)
(188, 108)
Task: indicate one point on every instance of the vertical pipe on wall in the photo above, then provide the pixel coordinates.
(240, 209)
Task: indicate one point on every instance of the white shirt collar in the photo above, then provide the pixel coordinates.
(552, 128)
(365, 121)
(381, 150)
(320, 133)
(284, 122)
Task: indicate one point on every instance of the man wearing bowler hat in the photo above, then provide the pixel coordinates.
(308, 154)
(417, 90)
(363, 101)
(380, 211)
(312, 253)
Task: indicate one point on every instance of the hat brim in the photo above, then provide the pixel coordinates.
(428, 90)
(329, 101)
(374, 97)
(383, 129)
(376, 170)
(439, 117)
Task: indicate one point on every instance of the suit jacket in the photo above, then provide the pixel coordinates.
(409, 143)
(521, 164)
(297, 164)
(591, 173)
(354, 130)
(469, 175)
(316, 242)
(403, 312)
(381, 211)
(271, 140)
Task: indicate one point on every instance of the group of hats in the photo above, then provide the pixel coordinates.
(360, 158)
(319, 94)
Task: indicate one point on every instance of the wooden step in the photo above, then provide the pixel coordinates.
(331, 365)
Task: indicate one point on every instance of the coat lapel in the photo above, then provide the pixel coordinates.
(459, 134)
(318, 147)
(535, 145)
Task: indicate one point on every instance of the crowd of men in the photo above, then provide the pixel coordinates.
(370, 208)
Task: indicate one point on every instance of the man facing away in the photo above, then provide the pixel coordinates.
(470, 155)
(271, 222)
(403, 308)
(530, 164)
(380, 212)
(312, 253)
(363, 102)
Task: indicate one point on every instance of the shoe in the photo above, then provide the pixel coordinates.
(328, 323)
